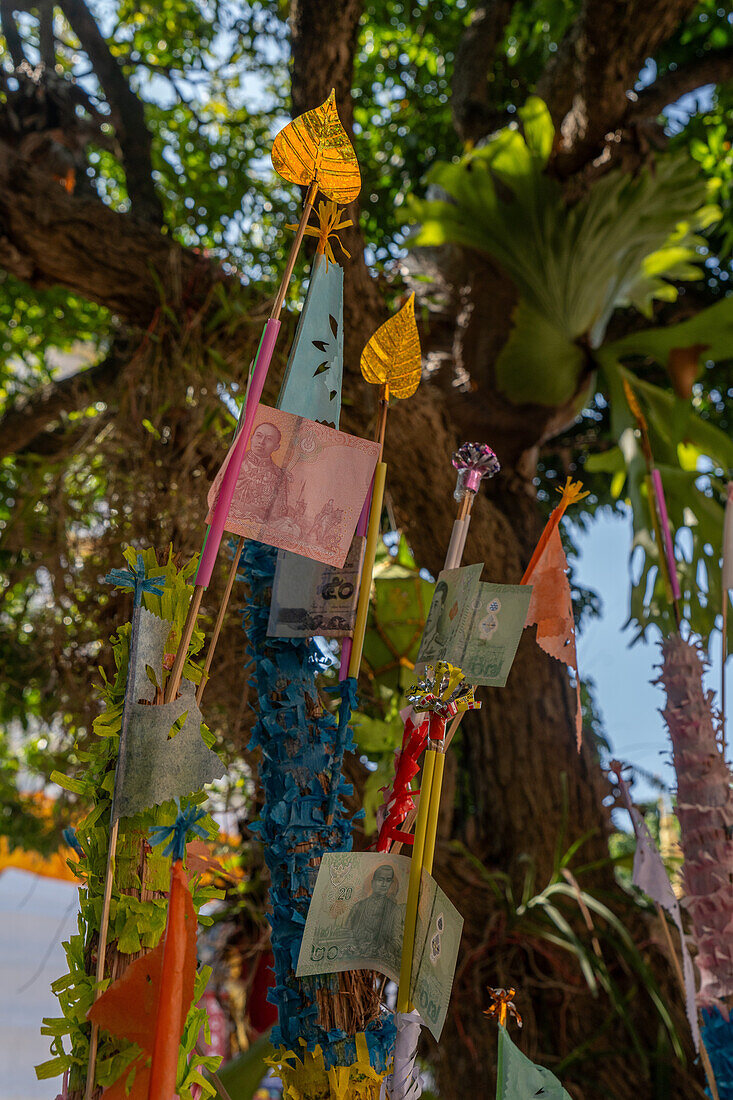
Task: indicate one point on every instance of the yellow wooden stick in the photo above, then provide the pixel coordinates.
(432, 830)
(370, 552)
(413, 889)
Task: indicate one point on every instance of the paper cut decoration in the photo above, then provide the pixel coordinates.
(318, 349)
(307, 597)
(518, 1078)
(153, 997)
(155, 766)
(551, 610)
(315, 146)
(705, 813)
(356, 919)
(312, 599)
(301, 486)
(474, 625)
(303, 1073)
(404, 1082)
(392, 357)
(649, 875)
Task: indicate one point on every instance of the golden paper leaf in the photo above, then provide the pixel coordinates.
(315, 146)
(392, 357)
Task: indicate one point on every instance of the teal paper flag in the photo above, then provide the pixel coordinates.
(312, 382)
(312, 388)
(517, 1078)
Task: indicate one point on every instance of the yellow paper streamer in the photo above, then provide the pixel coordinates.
(303, 1074)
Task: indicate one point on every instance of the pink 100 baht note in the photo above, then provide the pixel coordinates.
(301, 487)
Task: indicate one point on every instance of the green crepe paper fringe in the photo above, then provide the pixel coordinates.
(298, 745)
(134, 925)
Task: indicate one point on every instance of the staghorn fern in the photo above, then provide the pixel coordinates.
(572, 265)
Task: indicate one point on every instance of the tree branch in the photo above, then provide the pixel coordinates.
(49, 237)
(714, 67)
(29, 416)
(10, 31)
(586, 84)
(132, 131)
(473, 115)
(45, 32)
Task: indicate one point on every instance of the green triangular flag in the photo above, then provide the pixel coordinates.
(517, 1078)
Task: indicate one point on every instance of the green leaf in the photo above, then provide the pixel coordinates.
(538, 364)
(712, 328)
(539, 132)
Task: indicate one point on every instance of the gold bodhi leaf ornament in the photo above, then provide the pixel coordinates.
(392, 358)
(315, 146)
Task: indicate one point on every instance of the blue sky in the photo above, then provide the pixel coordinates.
(623, 675)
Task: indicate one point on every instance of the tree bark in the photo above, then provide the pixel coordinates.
(51, 238)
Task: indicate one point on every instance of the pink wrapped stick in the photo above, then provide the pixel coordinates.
(666, 533)
(229, 481)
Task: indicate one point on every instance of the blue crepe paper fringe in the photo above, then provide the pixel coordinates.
(298, 744)
(717, 1035)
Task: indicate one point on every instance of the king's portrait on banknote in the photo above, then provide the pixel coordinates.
(301, 486)
(356, 921)
(361, 916)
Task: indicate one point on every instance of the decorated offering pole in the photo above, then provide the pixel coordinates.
(313, 151)
(331, 223)
(330, 1038)
(149, 1004)
(705, 813)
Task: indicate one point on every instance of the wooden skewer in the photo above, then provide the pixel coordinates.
(102, 953)
(220, 619)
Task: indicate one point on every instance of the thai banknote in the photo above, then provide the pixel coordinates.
(301, 486)
(356, 921)
(311, 598)
(475, 625)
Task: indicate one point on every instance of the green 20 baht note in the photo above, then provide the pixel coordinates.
(356, 921)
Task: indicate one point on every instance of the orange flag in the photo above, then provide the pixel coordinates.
(551, 610)
(148, 1005)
